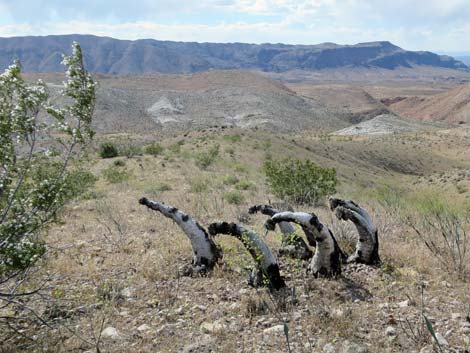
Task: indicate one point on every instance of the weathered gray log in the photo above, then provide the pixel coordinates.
(292, 244)
(267, 268)
(367, 245)
(326, 261)
(205, 252)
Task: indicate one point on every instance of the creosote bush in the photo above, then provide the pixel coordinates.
(299, 182)
(204, 159)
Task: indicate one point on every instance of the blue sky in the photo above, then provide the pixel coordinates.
(413, 24)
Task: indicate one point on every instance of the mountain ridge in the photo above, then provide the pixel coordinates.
(108, 55)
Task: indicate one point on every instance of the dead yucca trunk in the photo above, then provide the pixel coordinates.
(367, 245)
(205, 251)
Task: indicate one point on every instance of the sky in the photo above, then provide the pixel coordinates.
(436, 25)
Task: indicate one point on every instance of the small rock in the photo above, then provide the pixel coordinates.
(243, 291)
(390, 331)
(337, 313)
(206, 345)
(442, 341)
(234, 306)
(143, 327)
(127, 292)
(465, 329)
(351, 347)
(297, 315)
(456, 316)
(329, 348)
(110, 332)
(404, 304)
(208, 327)
(179, 311)
(426, 349)
(274, 329)
(216, 314)
(446, 284)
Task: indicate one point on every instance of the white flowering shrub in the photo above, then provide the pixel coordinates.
(38, 141)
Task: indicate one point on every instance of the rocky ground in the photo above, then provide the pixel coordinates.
(112, 280)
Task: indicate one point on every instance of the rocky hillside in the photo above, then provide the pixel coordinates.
(122, 57)
(452, 106)
(216, 98)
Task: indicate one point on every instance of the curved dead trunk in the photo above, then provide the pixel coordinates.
(292, 244)
(267, 268)
(326, 261)
(367, 246)
(205, 252)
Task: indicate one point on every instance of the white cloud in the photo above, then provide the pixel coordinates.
(421, 24)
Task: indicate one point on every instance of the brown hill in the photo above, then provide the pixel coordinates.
(213, 98)
(354, 102)
(452, 106)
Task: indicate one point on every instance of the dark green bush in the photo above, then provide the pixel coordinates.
(299, 182)
(108, 150)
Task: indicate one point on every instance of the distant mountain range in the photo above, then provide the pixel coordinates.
(124, 57)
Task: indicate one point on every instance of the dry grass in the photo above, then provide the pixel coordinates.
(116, 264)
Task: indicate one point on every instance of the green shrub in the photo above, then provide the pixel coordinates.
(115, 175)
(234, 197)
(442, 226)
(154, 149)
(204, 159)
(244, 185)
(108, 150)
(130, 150)
(176, 147)
(230, 180)
(119, 163)
(78, 182)
(299, 182)
(233, 138)
(230, 151)
(240, 168)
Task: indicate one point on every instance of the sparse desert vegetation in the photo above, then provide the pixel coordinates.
(159, 238)
(112, 279)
